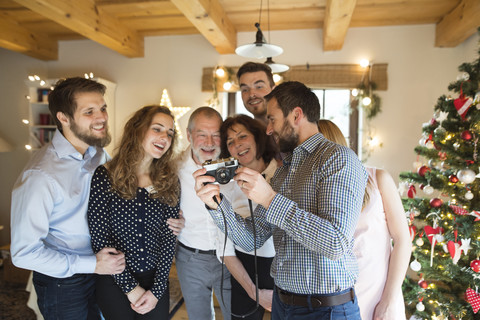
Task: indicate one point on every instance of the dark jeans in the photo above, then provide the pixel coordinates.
(346, 311)
(114, 302)
(70, 298)
(241, 302)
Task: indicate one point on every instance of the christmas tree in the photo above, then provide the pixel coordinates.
(443, 207)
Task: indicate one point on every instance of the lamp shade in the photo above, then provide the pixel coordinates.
(276, 67)
(260, 48)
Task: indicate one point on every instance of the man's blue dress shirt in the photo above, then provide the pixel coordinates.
(49, 229)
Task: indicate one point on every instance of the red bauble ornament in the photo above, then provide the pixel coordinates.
(423, 284)
(453, 178)
(422, 170)
(436, 202)
(466, 135)
(411, 191)
(475, 265)
(421, 186)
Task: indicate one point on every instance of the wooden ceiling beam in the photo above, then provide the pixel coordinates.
(458, 25)
(17, 38)
(338, 14)
(85, 18)
(209, 17)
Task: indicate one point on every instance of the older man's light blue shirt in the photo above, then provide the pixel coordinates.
(49, 210)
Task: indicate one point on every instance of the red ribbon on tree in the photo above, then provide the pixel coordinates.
(462, 104)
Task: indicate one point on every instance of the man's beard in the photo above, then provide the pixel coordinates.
(90, 139)
(287, 139)
(200, 157)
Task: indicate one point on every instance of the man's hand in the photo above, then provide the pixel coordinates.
(146, 303)
(265, 297)
(205, 189)
(110, 261)
(176, 225)
(254, 186)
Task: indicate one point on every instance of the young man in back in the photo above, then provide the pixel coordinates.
(255, 81)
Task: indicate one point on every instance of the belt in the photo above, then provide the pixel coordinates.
(315, 300)
(211, 252)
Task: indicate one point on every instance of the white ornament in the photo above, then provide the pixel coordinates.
(419, 242)
(466, 176)
(422, 141)
(402, 187)
(415, 265)
(428, 189)
(420, 306)
(439, 237)
(442, 116)
(456, 145)
(430, 145)
(469, 195)
(464, 76)
(466, 246)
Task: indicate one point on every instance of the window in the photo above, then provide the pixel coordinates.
(334, 106)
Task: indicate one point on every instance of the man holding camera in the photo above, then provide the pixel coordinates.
(311, 207)
(198, 268)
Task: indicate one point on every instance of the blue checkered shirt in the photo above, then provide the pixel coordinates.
(313, 217)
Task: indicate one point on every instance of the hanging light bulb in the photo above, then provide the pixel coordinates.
(355, 92)
(276, 77)
(366, 101)
(276, 67)
(227, 85)
(220, 72)
(364, 63)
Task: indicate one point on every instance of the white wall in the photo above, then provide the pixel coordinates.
(418, 74)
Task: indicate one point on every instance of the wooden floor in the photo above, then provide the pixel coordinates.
(181, 313)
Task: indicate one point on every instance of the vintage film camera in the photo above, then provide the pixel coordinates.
(222, 170)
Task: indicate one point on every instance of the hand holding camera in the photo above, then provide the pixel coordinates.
(223, 170)
(208, 178)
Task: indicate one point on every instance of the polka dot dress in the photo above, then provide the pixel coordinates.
(137, 227)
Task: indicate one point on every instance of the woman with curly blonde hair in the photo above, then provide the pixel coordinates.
(131, 198)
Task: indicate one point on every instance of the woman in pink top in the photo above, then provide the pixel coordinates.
(382, 267)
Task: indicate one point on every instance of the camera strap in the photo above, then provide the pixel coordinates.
(255, 259)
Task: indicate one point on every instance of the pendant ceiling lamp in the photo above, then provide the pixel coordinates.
(276, 67)
(260, 49)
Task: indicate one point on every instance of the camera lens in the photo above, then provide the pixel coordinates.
(222, 175)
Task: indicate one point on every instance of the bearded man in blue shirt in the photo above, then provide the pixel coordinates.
(311, 208)
(49, 205)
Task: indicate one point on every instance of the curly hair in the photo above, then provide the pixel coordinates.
(130, 153)
(266, 146)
